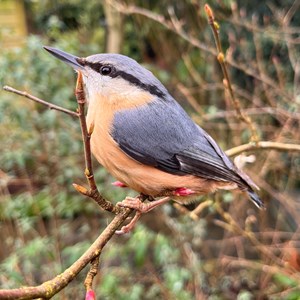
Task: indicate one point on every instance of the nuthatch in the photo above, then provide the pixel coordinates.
(145, 139)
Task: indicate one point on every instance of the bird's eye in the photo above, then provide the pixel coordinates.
(105, 70)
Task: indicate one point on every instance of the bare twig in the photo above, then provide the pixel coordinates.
(86, 134)
(131, 9)
(285, 200)
(291, 12)
(262, 145)
(233, 226)
(273, 269)
(38, 100)
(196, 212)
(88, 283)
(227, 83)
(192, 70)
(269, 31)
(190, 98)
(253, 111)
(89, 173)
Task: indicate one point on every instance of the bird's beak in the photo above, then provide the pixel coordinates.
(70, 59)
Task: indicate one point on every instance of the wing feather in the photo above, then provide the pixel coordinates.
(162, 135)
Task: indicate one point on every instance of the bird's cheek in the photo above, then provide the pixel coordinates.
(92, 86)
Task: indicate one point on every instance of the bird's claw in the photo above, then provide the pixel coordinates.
(127, 228)
(134, 203)
(140, 207)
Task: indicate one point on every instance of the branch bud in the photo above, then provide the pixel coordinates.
(216, 25)
(87, 172)
(209, 12)
(81, 189)
(91, 128)
(221, 58)
(225, 82)
(79, 93)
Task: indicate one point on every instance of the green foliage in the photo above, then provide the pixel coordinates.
(285, 280)
(245, 295)
(42, 153)
(144, 252)
(46, 225)
(293, 295)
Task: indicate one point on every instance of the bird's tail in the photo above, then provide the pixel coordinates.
(255, 199)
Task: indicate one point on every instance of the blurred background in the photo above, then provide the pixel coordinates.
(175, 252)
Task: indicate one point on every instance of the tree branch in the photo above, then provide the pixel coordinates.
(253, 111)
(53, 286)
(38, 100)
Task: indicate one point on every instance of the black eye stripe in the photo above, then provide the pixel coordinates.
(154, 90)
(98, 66)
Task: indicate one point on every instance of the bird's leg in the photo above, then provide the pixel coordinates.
(140, 207)
(119, 184)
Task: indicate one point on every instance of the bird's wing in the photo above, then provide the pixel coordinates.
(191, 162)
(162, 135)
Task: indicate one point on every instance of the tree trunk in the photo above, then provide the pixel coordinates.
(114, 30)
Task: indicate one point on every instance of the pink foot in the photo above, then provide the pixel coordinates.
(90, 295)
(134, 203)
(183, 192)
(119, 184)
(140, 207)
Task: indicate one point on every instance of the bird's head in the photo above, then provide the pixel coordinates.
(113, 76)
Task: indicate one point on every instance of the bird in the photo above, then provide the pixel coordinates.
(146, 140)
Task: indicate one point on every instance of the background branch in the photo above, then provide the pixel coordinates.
(132, 9)
(262, 145)
(227, 82)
